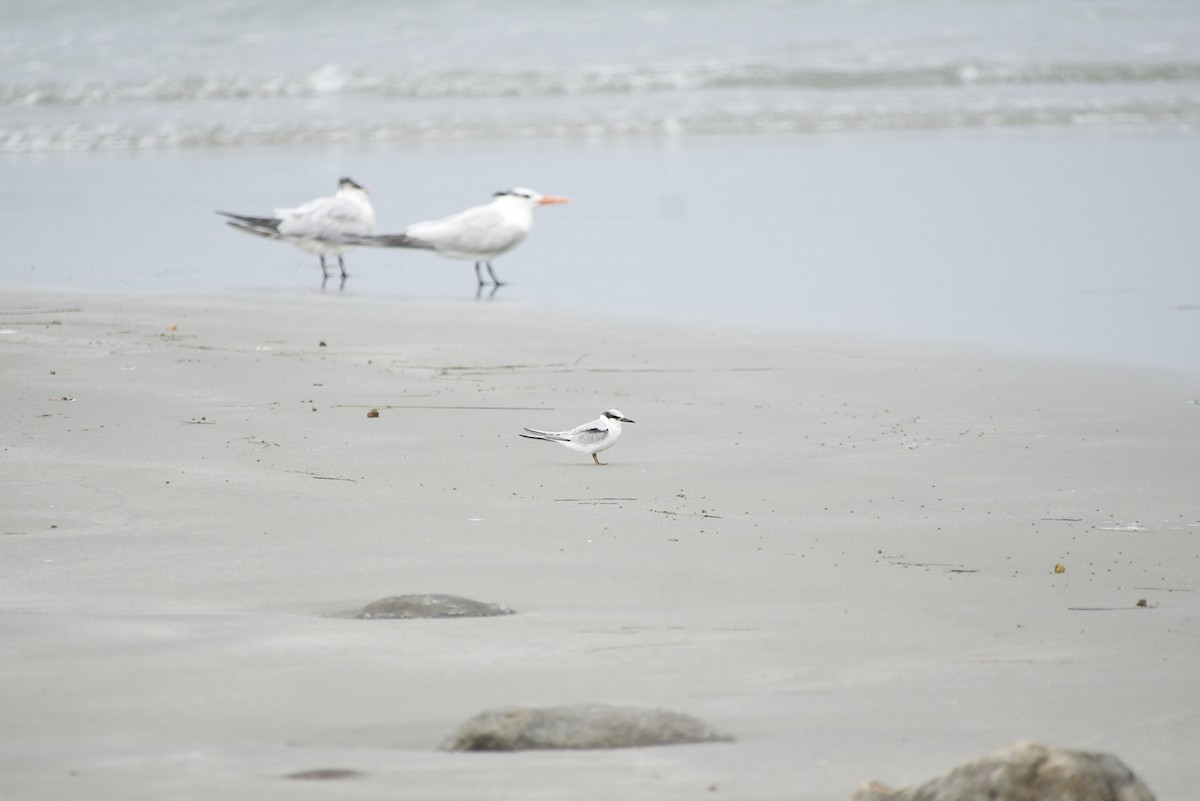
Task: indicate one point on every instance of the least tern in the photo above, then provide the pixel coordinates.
(319, 226)
(479, 234)
(593, 437)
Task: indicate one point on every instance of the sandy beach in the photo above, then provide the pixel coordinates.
(903, 298)
(841, 550)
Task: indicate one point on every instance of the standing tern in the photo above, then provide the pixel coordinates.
(593, 437)
(318, 226)
(479, 234)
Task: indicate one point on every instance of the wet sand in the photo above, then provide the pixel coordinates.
(840, 550)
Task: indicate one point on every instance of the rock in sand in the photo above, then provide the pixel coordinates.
(426, 606)
(586, 726)
(1024, 772)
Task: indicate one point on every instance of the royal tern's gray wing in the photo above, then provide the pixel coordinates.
(326, 218)
(481, 231)
(386, 241)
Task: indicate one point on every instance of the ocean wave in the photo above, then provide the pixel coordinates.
(332, 81)
(1183, 115)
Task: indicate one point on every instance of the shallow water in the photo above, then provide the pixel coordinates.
(1056, 242)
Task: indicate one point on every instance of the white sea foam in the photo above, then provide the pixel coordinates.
(75, 76)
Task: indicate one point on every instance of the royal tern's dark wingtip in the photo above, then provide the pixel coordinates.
(268, 223)
(256, 230)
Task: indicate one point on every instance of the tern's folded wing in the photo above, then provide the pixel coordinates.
(327, 219)
(482, 231)
(588, 436)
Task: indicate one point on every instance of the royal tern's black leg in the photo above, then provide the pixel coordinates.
(324, 272)
(597, 461)
(478, 277)
(496, 281)
(342, 265)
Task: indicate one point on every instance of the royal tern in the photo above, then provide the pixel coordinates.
(593, 437)
(318, 226)
(479, 234)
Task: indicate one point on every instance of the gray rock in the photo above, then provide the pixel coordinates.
(589, 726)
(424, 606)
(1024, 772)
(324, 774)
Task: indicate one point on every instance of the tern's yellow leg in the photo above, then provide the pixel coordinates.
(597, 461)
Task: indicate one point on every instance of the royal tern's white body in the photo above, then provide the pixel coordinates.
(479, 234)
(320, 226)
(590, 438)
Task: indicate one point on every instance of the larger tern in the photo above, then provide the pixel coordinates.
(319, 226)
(593, 437)
(479, 234)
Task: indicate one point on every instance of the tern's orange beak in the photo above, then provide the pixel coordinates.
(548, 200)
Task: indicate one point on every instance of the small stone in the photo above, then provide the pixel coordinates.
(324, 774)
(373, 413)
(1024, 772)
(406, 607)
(578, 727)
(322, 344)
(1142, 602)
(1060, 568)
